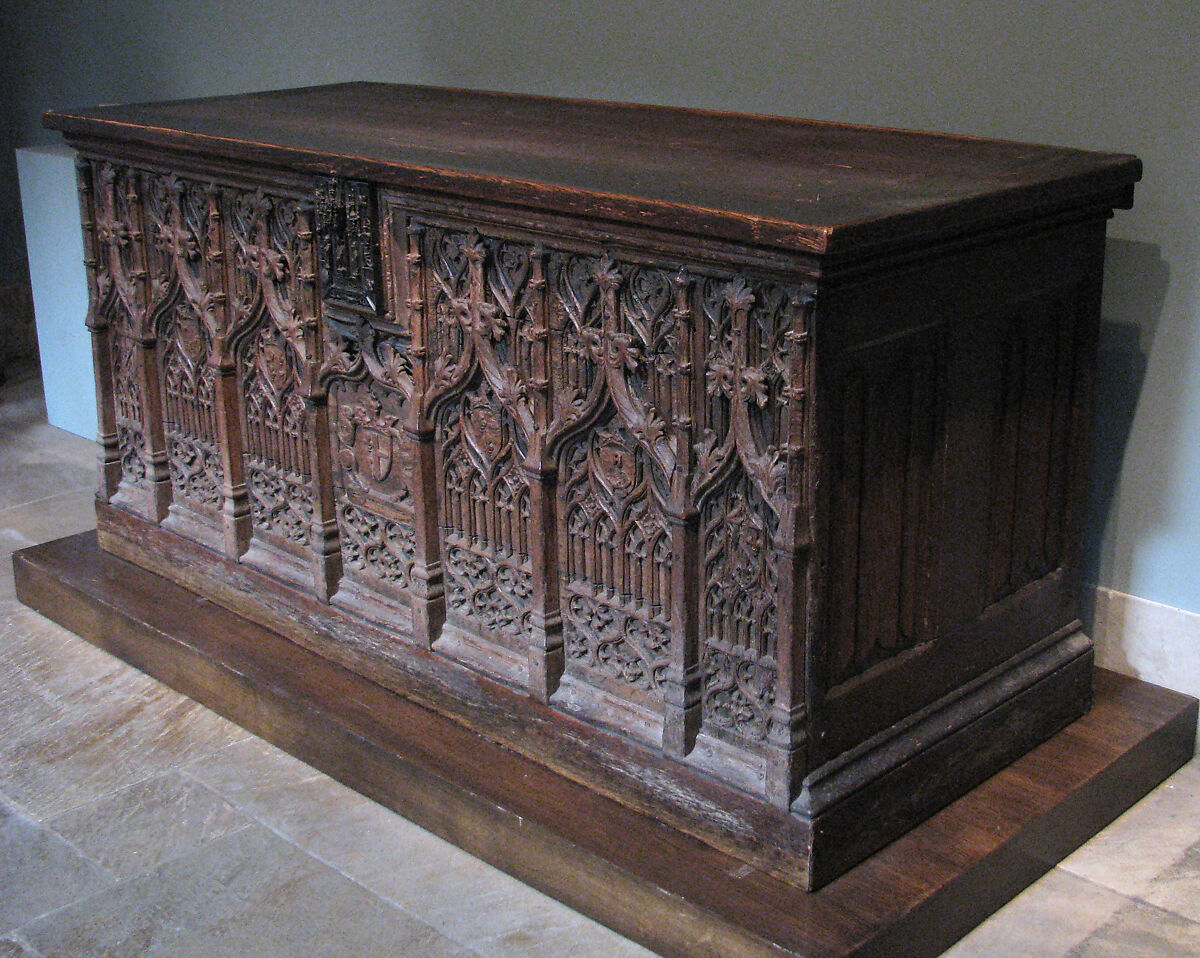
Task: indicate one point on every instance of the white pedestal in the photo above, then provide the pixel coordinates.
(51, 209)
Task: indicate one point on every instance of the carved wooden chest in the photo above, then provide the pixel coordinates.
(750, 452)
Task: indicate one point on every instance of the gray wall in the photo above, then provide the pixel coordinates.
(1120, 76)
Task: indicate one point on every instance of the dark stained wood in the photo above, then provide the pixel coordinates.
(626, 868)
(608, 763)
(796, 184)
(747, 454)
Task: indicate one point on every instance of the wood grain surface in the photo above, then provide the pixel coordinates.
(796, 184)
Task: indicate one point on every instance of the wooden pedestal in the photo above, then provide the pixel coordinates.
(628, 870)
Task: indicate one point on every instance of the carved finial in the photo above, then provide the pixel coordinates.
(473, 247)
(605, 273)
(738, 295)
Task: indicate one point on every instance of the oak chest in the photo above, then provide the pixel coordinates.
(751, 452)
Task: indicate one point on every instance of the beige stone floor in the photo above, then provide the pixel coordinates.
(135, 822)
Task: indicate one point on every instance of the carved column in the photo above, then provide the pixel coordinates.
(684, 685)
(323, 539)
(547, 658)
(97, 322)
(325, 550)
(158, 466)
(158, 471)
(428, 589)
(787, 733)
(236, 517)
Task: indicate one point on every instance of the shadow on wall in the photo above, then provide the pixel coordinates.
(1135, 286)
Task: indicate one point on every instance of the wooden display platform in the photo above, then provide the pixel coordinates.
(634, 874)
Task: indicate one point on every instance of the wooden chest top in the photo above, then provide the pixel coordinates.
(795, 185)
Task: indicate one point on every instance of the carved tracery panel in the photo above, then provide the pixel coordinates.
(185, 255)
(273, 276)
(616, 563)
(120, 305)
(755, 380)
(485, 519)
(481, 348)
(619, 347)
(127, 398)
(371, 487)
(570, 370)
(739, 610)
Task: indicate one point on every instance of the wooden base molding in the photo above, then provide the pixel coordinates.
(848, 808)
(627, 857)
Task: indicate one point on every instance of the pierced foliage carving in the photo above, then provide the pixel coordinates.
(120, 305)
(481, 294)
(747, 471)
(739, 691)
(493, 593)
(274, 318)
(374, 500)
(127, 397)
(754, 338)
(132, 443)
(616, 562)
(619, 341)
(485, 517)
(738, 611)
(380, 547)
(482, 383)
(195, 469)
(281, 501)
(120, 258)
(184, 243)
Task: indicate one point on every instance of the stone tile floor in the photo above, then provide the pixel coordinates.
(135, 822)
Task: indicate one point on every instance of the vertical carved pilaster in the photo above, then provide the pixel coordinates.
(428, 590)
(236, 516)
(325, 546)
(684, 683)
(786, 733)
(146, 365)
(325, 549)
(97, 323)
(546, 655)
(158, 472)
